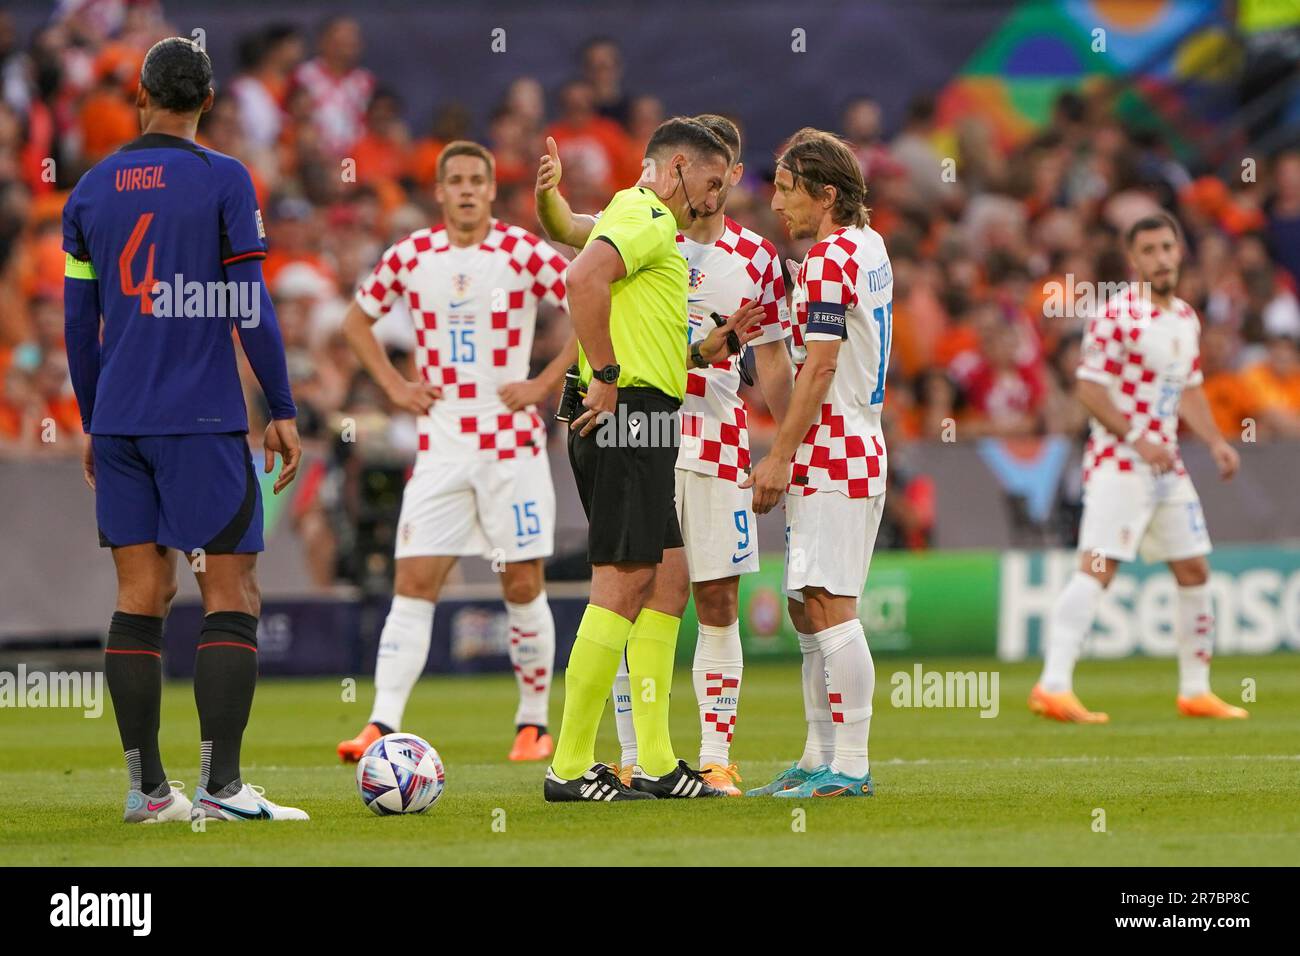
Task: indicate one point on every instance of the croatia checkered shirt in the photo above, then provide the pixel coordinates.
(740, 267)
(474, 311)
(1145, 356)
(846, 287)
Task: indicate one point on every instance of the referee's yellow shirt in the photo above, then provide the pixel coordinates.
(647, 310)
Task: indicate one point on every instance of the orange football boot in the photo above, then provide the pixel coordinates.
(532, 743)
(623, 772)
(723, 778)
(350, 751)
(1210, 705)
(1064, 707)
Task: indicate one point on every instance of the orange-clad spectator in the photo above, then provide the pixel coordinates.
(595, 151)
(293, 236)
(1275, 383)
(1241, 401)
(107, 120)
(121, 63)
(1211, 198)
(920, 323)
(383, 152)
(1229, 397)
(40, 271)
(451, 123)
(508, 137)
(20, 410)
(961, 336)
(61, 418)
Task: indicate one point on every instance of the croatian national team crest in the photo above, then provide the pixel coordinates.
(696, 279)
(460, 284)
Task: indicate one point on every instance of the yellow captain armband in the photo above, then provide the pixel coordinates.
(74, 268)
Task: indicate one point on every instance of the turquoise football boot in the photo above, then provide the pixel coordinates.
(791, 777)
(825, 782)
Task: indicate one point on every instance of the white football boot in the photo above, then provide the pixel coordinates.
(142, 808)
(248, 804)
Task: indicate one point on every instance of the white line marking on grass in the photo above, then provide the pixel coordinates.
(1163, 758)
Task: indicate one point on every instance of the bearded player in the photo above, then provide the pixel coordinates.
(728, 267)
(1139, 376)
(829, 456)
(482, 481)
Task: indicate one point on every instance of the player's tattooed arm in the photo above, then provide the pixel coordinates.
(771, 476)
(559, 221)
(1194, 410)
(1096, 399)
(414, 397)
(517, 395)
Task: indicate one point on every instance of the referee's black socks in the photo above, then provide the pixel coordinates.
(225, 675)
(133, 672)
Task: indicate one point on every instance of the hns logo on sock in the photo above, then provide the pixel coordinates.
(75, 909)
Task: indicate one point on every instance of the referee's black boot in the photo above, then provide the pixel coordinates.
(599, 784)
(682, 783)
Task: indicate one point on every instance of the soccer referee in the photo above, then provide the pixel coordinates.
(627, 297)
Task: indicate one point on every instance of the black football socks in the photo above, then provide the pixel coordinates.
(225, 676)
(133, 672)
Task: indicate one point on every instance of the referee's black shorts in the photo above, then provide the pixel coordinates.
(626, 479)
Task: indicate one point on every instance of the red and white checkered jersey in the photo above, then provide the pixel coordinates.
(740, 267)
(845, 290)
(1145, 356)
(338, 103)
(474, 309)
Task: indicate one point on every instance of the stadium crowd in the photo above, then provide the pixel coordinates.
(993, 250)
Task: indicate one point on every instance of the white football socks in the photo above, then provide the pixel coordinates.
(403, 651)
(850, 682)
(623, 714)
(532, 652)
(1071, 620)
(819, 747)
(716, 674)
(1195, 635)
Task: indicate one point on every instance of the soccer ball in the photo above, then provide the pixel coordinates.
(400, 773)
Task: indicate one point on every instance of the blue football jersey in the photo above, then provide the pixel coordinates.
(158, 224)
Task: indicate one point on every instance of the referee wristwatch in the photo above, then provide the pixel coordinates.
(609, 374)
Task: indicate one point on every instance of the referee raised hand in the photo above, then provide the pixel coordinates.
(627, 293)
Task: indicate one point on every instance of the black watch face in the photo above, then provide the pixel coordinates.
(609, 374)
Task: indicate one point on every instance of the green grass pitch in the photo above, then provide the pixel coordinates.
(952, 787)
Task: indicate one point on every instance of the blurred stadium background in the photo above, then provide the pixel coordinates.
(1005, 145)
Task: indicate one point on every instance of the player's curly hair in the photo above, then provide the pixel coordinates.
(817, 159)
(177, 74)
